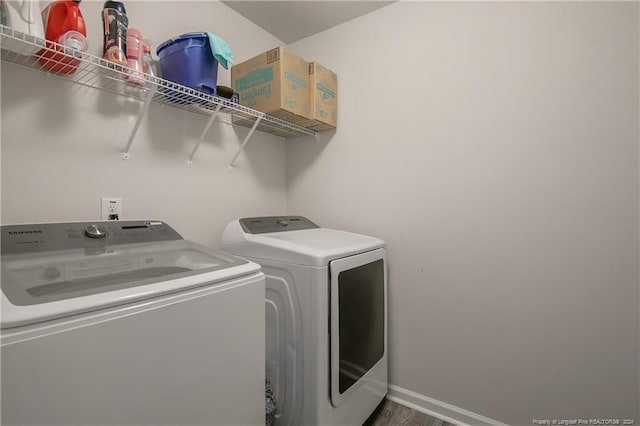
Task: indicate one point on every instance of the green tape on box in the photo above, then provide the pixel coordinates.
(326, 92)
(296, 82)
(248, 97)
(254, 78)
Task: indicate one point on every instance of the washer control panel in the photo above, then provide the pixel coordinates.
(39, 237)
(263, 225)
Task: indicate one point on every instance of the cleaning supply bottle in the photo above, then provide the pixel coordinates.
(3, 13)
(64, 25)
(61, 16)
(135, 57)
(115, 24)
(23, 16)
(150, 65)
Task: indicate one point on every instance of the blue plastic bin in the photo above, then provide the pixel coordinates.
(188, 60)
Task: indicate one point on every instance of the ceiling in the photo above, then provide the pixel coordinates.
(291, 21)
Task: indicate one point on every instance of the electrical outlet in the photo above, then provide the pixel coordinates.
(111, 209)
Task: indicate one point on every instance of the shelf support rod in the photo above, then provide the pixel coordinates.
(204, 133)
(246, 139)
(143, 112)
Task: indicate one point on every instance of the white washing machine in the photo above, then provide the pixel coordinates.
(126, 323)
(326, 316)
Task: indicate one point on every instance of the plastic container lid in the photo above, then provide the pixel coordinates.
(176, 39)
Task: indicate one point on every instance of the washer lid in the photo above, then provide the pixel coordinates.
(313, 246)
(38, 286)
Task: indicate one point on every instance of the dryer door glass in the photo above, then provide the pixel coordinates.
(358, 317)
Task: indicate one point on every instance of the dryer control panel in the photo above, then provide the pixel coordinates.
(263, 225)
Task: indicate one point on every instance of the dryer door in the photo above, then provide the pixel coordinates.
(358, 320)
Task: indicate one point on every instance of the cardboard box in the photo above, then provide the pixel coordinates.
(323, 98)
(275, 82)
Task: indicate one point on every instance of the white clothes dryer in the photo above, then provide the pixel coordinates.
(125, 322)
(326, 317)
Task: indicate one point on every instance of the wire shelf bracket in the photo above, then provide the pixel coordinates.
(232, 166)
(204, 132)
(145, 108)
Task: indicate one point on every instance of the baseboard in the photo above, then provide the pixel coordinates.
(442, 410)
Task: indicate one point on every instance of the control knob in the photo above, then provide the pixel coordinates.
(95, 231)
(283, 222)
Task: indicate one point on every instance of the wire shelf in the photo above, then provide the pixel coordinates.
(88, 70)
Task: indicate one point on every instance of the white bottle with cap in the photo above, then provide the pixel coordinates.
(23, 16)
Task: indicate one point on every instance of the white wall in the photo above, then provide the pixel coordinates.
(494, 146)
(61, 143)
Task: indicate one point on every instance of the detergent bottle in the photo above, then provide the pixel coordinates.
(64, 25)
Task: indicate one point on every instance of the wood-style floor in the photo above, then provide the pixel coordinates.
(389, 413)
